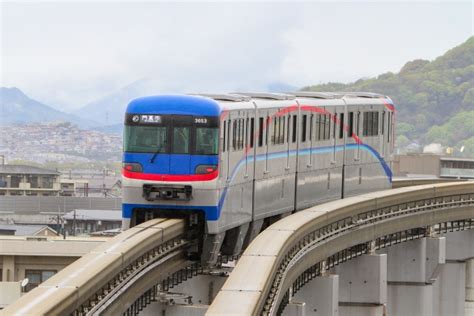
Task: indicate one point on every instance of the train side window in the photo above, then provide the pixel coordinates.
(323, 127)
(224, 138)
(274, 131)
(260, 131)
(389, 126)
(242, 134)
(370, 123)
(252, 135)
(334, 125)
(303, 128)
(266, 130)
(382, 130)
(234, 135)
(328, 126)
(294, 129)
(341, 125)
(246, 139)
(357, 131)
(375, 129)
(288, 129)
(365, 129)
(283, 126)
(311, 127)
(316, 127)
(351, 124)
(228, 135)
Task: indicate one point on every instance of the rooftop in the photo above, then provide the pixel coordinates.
(95, 215)
(25, 230)
(23, 169)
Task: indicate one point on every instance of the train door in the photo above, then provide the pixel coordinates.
(181, 139)
(382, 133)
(224, 150)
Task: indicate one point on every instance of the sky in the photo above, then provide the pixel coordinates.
(67, 54)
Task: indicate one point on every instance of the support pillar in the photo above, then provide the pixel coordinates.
(363, 285)
(413, 267)
(320, 297)
(469, 302)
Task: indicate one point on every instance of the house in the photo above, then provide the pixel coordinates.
(20, 180)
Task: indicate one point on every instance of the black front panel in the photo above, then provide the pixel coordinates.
(171, 120)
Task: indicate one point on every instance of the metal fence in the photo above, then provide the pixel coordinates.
(54, 204)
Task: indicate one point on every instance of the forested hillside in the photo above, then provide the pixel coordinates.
(435, 100)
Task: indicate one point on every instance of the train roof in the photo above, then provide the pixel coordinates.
(213, 104)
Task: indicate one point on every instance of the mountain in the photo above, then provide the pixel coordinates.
(110, 110)
(16, 107)
(429, 97)
(280, 87)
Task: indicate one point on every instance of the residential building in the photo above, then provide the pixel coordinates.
(28, 181)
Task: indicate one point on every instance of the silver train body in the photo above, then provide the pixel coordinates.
(279, 153)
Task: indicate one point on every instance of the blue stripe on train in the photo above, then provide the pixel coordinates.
(213, 212)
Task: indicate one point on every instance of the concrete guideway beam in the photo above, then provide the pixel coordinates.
(338, 231)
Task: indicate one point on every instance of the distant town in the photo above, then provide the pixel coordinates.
(59, 142)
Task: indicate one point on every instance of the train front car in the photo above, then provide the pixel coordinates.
(170, 159)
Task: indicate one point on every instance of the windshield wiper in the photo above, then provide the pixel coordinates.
(152, 160)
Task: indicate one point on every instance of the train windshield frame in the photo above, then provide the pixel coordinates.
(171, 134)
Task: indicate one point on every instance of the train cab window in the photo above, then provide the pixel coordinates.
(303, 128)
(294, 129)
(341, 125)
(260, 131)
(207, 141)
(351, 124)
(252, 134)
(180, 140)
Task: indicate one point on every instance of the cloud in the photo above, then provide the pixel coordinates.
(69, 54)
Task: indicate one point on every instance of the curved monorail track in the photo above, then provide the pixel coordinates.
(114, 276)
(301, 246)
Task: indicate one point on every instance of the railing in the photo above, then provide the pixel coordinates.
(116, 275)
(301, 246)
(409, 182)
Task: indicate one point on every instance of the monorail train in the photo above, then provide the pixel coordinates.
(233, 164)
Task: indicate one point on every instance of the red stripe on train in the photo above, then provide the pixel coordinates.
(170, 177)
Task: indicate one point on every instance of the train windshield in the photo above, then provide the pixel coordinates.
(171, 134)
(145, 139)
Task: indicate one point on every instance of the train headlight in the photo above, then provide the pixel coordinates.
(204, 169)
(132, 167)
